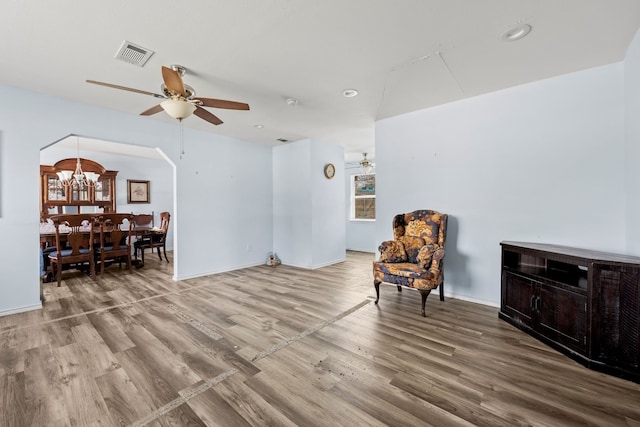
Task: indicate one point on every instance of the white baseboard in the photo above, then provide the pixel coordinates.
(21, 309)
(313, 267)
(472, 299)
(222, 270)
(316, 266)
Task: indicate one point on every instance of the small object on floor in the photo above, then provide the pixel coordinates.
(272, 259)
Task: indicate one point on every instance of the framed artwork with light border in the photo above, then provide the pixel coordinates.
(138, 191)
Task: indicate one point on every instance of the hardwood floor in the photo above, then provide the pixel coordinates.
(281, 346)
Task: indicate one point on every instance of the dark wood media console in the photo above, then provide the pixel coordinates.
(584, 303)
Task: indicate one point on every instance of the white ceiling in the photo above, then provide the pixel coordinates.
(81, 145)
(401, 55)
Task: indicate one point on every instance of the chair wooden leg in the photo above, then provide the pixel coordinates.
(399, 288)
(442, 291)
(58, 271)
(424, 295)
(159, 253)
(377, 285)
(164, 249)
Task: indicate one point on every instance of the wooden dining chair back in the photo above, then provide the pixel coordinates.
(74, 243)
(143, 220)
(157, 239)
(115, 239)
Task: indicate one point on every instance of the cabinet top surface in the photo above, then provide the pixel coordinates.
(586, 254)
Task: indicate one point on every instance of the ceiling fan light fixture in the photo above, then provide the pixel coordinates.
(365, 164)
(177, 108)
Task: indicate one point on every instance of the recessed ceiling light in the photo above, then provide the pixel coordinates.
(258, 126)
(349, 93)
(516, 33)
(292, 102)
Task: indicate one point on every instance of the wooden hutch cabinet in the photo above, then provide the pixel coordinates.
(54, 196)
(583, 303)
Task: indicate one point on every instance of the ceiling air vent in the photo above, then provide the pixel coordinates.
(133, 54)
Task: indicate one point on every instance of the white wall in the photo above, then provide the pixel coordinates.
(632, 139)
(224, 206)
(541, 162)
(292, 203)
(158, 172)
(328, 233)
(308, 208)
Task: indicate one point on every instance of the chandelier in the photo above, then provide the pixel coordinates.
(78, 178)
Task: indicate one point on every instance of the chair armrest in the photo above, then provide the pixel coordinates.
(392, 251)
(430, 258)
(435, 266)
(425, 256)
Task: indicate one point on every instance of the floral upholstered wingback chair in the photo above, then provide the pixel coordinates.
(414, 258)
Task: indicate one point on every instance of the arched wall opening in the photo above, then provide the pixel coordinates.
(133, 162)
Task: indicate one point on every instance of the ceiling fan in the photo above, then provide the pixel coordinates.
(180, 99)
(365, 164)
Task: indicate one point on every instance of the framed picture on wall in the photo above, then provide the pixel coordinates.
(138, 191)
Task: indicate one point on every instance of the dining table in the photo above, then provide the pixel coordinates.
(48, 237)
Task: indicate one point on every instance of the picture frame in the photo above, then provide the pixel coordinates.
(138, 191)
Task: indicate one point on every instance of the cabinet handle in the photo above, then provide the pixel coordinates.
(538, 303)
(532, 302)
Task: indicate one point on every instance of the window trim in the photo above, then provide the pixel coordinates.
(353, 197)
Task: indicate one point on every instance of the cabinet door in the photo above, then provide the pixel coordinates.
(616, 316)
(102, 190)
(54, 191)
(518, 298)
(562, 316)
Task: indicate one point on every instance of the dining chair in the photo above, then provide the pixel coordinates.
(114, 241)
(156, 239)
(143, 220)
(74, 244)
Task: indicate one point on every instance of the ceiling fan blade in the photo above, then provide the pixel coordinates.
(153, 110)
(173, 81)
(144, 92)
(205, 115)
(221, 103)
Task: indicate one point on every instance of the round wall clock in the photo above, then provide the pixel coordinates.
(329, 170)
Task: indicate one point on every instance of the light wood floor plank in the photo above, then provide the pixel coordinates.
(283, 346)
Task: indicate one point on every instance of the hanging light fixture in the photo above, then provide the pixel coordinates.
(78, 177)
(178, 108)
(365, 164)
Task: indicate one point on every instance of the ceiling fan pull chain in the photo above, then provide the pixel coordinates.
(181, 139)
